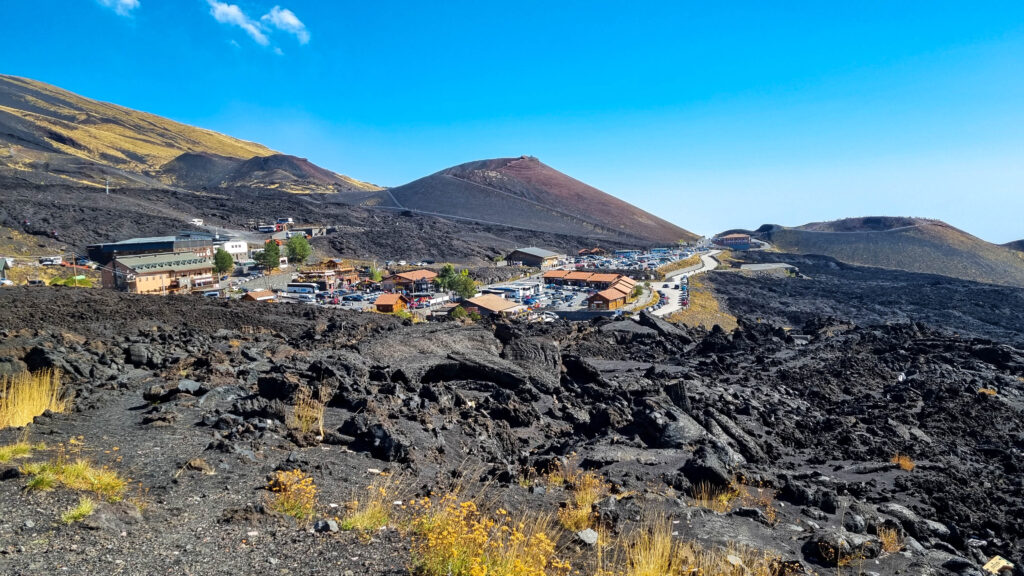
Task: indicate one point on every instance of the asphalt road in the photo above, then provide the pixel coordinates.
(673, 296)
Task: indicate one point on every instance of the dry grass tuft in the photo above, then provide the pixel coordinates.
(18, 450)
(903, 461)
(586, 489)
(563, 472)
(293, 493)
(451, 537)
(890, 539)
(719, 499)
(308, 413)
(28, 394)
(86, 506)
(723, 499)
(373, 511)
(652, 551)
(77, 475)
(988, 391)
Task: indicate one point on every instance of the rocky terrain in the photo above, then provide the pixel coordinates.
(912, 244)
(59, 150)
(869, 295)
(191, 399)
(79, 216)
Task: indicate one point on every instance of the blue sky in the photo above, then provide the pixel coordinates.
(711, 117)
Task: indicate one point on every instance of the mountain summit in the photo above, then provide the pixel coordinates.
(525, 193)
(51, 136)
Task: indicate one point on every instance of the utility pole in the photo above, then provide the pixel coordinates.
(108, 186)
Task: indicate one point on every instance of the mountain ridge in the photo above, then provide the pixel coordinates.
(51, 135)
(901, 243)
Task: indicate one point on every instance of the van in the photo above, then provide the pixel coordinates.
(212, 294)
(196, 221)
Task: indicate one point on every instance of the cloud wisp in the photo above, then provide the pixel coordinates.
(281, 19)
(285, 20)
(122, 7)
(232, 15)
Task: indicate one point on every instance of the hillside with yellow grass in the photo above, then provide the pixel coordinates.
(49, 135)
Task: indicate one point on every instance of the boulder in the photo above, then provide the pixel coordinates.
(661, 424)
(706, 467)
(138, 355)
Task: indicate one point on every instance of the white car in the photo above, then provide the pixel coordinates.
(6, 282)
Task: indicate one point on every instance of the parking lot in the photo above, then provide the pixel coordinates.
(631, 259)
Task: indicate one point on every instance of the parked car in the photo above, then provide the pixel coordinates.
(352, 298)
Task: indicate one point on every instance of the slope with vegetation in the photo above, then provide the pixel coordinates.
(51, 135)
(375, 445)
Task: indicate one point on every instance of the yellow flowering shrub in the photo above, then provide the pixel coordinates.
(451, 537)
(293, 493)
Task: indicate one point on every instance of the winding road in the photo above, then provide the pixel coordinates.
(672, 295)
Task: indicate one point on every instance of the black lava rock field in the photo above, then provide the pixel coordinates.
(825, 440)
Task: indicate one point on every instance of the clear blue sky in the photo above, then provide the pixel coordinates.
(711, 117)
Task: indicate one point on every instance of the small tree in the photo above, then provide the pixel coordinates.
(375, 275)
(298, 249)
(464, 286)
(446, 278)
(270, 258)
(459, 313)
(222, 261)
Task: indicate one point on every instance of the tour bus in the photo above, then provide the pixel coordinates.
(302, 288)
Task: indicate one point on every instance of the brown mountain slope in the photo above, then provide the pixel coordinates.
(281, 171)
(1017, 245)
(50, 135)
(912, 244)
(525, 193)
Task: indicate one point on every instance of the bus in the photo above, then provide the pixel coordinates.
(302, 288)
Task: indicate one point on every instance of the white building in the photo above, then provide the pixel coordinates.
(238, 249)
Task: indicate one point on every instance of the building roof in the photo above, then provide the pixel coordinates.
(538, 252)
(389, 299)
(146, 240)
(417, 275)
(555, 274)
(578, 275)
(494, 303)
(735, 237)
(626, 280)
(609, 294)
(604, 277)
(147, 263)
(622, 287)
(259, 295)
